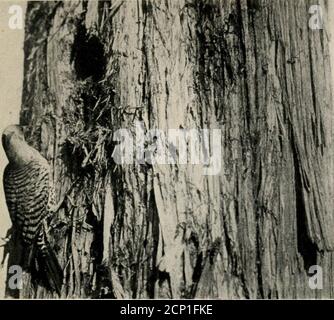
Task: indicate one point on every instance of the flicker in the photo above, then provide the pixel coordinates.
(29, 197)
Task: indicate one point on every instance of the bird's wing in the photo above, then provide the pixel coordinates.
(27, 193)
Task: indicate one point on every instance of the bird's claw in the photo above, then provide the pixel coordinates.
(6, 239)
(5, 244)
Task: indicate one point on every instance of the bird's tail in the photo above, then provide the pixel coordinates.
(48, 264)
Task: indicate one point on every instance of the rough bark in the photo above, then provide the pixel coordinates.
(250, 68)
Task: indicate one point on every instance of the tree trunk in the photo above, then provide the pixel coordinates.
(254, 70)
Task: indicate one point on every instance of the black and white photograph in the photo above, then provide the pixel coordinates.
(167, 150)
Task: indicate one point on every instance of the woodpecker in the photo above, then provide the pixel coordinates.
(28, 195)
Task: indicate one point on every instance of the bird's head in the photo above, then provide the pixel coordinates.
(12, 132)
(15, 146)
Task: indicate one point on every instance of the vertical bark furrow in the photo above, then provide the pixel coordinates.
(252, 69)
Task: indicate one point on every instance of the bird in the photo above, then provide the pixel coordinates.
(30, 197)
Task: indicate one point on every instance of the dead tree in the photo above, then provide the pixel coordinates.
(254, 70)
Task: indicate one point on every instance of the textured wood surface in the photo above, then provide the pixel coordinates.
(252, 69)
